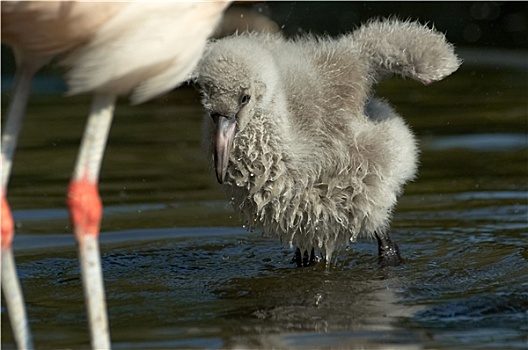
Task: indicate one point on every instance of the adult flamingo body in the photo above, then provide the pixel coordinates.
(142, 48)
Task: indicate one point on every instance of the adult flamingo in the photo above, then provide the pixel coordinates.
(111, 49)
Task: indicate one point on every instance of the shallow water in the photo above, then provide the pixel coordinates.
(180, 271)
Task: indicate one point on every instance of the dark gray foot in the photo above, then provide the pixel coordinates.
(388, 252)
(303, 260)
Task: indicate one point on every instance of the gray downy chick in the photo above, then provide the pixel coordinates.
(299, 143)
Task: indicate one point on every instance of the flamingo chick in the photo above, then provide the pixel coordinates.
(142, 48)
(300, 144)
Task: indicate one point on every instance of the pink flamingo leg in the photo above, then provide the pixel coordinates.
(10, 284)
(85, 208)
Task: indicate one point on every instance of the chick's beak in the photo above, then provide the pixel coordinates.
(223, 143)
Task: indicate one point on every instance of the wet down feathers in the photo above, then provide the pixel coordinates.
(300, 144)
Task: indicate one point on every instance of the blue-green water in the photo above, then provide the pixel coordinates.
(181, 272)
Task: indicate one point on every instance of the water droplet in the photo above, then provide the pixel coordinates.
(318, 299)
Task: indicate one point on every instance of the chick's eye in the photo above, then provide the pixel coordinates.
(244, 99)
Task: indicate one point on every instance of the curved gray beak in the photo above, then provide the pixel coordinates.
(223, 143)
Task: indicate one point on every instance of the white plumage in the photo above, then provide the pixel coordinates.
(301, 146)
(147, 59)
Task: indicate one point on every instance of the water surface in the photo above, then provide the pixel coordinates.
(181, 272)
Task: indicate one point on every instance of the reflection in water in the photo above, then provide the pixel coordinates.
(482, 142)
(181, 272)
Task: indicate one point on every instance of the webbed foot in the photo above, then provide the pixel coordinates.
(388, 251)
(304, 260)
